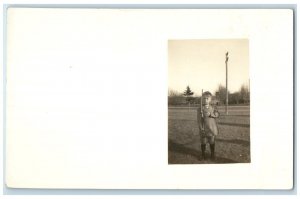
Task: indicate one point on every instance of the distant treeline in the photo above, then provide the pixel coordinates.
(219, 97)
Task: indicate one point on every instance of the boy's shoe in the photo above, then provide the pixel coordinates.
(203, 146)
(212, 151)
(202, 158)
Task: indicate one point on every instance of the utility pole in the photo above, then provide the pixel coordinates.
(226, 108)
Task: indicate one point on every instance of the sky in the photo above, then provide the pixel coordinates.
(201, 64)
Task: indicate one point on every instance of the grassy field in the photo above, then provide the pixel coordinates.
(232, 143)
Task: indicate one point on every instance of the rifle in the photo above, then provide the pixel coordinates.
(201, 104)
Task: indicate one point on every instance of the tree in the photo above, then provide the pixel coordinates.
(244, 94)
(173, 93)
(221, 93)
(234, 98)
(175, 98)
(188, 93)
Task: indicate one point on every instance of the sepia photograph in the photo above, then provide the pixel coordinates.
(208, 101)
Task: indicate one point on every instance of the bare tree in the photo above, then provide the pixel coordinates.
(234, 98)
(221, 93)
(173, 93)
(244, 93)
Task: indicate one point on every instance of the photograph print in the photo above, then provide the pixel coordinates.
(208, 101)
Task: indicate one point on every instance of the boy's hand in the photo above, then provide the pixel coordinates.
(202, 132)
(215, 114)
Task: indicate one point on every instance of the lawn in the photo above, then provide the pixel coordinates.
(232, 143)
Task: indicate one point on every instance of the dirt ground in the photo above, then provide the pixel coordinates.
(232, 143)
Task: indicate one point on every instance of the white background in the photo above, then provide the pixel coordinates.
(86, 98)
(262, 144)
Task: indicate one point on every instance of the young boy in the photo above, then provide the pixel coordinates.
(206, 117)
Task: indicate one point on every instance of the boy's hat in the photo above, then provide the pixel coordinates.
(207, 93)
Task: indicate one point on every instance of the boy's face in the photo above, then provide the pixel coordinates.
(206, 99)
